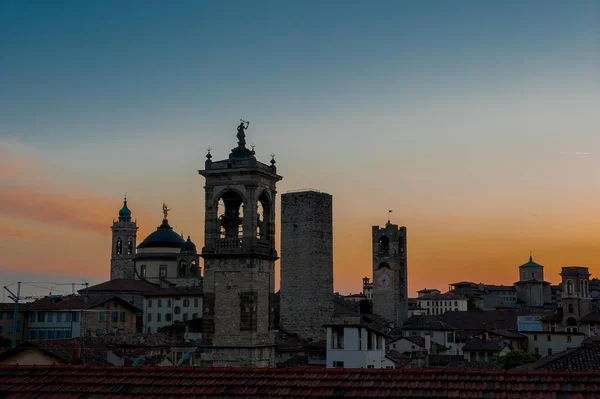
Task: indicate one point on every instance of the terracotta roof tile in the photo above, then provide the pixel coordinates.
(134, 382)
(123, 285)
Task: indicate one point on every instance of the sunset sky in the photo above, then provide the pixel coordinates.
(476, 122)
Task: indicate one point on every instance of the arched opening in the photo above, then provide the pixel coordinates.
(263, 216)
(181, 269)
(572, 324)
(580, 288)
(230, 209)
(130, 247)
(383, 264)
(384, 244)
(586, 288)
(569, 287)
(193, 268)
(119, 246)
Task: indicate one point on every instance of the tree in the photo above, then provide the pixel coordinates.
(515, 358)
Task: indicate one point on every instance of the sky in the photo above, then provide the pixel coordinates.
(476, 122)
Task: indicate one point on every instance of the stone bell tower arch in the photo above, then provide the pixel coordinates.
(239, 258)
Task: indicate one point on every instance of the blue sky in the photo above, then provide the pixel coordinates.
(424, 103)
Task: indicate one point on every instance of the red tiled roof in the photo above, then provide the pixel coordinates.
(167, 382)
(76, 302)
(123, 285)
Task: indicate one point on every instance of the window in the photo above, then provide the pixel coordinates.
(68, 334)
(162, 271)
(181, 269)
(159, 303)
(143, 271)
(593, 330)
(535, 337)
(168, 317)
(185, 317)
(195, 302)
(59, 334)
(337, 341)
(101, 316)
(455, 303)
(568, 338)
(177, 310)
(130, 247)
(549, 351)
(570, 308)
(41, 317)
(338, 364)
(552, 327)
(119, 247)
(186, 303)
(115, 316)
(569, 287)
(68, 316)
(59, 317)
(549, 338)
(370, 366)
(450, 337)
(149, 303)
(122, 316)
(50, 334)
(169, 303)
(158, 316)
(149, 317)
(32, 317)
(49, 318)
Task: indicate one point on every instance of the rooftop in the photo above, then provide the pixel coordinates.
(61, 381)
(123, 285)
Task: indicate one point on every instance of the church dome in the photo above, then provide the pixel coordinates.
(531, 263)
(125, 213)
(163, 237)
(188, 246)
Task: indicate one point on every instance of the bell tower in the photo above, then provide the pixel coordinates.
(239, 258)
(390, 285)
(123, 245)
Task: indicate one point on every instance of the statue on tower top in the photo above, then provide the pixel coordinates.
(241, 135)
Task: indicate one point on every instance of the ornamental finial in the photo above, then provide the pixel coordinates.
(166, 210)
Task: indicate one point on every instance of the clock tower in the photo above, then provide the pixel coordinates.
(390, 273)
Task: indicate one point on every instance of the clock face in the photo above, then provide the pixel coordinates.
(384, 280)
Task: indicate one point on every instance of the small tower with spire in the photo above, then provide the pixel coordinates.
(124, 232)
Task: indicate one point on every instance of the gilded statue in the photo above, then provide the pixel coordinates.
(166, 210)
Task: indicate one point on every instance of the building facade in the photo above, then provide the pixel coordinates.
(355, 345)
(306, 263)
(390, 284)
(239, 259)
(165, 307)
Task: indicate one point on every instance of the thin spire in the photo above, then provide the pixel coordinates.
(530, 256)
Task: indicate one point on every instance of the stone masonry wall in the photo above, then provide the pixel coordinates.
(237, 295)
(306, 296)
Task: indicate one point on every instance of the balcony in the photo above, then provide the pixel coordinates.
(239, 246)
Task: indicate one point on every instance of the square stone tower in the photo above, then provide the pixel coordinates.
(124, 232)
(239, 259)
(390, 283)
(306, 296)
(576, 298)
